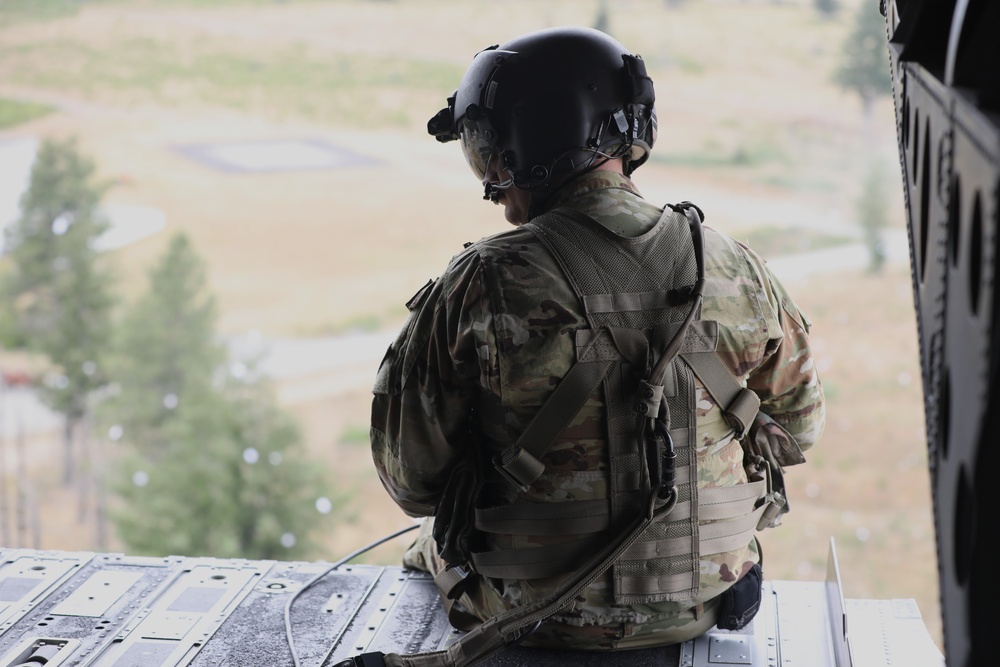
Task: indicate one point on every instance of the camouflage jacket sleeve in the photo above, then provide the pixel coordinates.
(426, 386)
(787, 381)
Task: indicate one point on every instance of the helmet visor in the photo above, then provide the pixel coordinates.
(476, 148)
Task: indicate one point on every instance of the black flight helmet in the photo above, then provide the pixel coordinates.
(548, 104)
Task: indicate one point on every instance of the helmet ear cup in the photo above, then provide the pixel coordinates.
(551, 102)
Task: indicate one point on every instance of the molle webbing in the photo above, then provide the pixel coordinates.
(521, 464)
(634, 292)
(582, 516)
(630, 288)
(731, 528)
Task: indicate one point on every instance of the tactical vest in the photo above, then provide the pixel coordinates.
(643, 348)
(636, 293)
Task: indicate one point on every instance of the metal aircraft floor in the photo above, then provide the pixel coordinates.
(108, 610)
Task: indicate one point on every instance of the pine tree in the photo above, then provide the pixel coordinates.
(165, 348)
(209, 465)
(57, 289)
(864, 65)
(873, 214)
(234, 481)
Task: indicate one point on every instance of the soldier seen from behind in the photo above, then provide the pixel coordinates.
(594, 408)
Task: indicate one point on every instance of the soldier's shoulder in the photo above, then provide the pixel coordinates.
(512, 235)
(473, 253)
(490, 244)
(723, 249)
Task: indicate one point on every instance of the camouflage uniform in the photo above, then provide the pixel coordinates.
(484, 346)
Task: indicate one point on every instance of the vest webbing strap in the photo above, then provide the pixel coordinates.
(602, 344)
(732, 534)
(716, 537)
(536, 562)
(724, 502)
(728, 509)
(520, 462)
(727, 502)
(635, 301)
(572, 517)
(739, 404)
(645, 585)
(567, 518)
(593, 516)
(453, 581)
(497, 632)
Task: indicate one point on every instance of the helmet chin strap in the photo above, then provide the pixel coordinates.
(492, 190)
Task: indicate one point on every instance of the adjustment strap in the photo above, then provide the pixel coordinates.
(452, 581)
(714, 538)
(654, 585)
(739, 404)
(519, 463)
(730, 502)
(724, 502)
(635, 301)
(536, 562)
(565, 518)
(721, 536)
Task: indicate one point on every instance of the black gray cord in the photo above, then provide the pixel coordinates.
(346, 559)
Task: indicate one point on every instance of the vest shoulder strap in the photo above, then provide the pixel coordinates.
(739, 404)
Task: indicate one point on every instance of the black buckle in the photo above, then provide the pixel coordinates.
(668, 460)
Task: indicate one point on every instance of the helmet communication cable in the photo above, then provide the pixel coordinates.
(346, 559)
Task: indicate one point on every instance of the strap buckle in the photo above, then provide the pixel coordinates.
(650, 396)
(519, 467)
(771, 517)
(453, 580)
(741, 411)
(774, 499)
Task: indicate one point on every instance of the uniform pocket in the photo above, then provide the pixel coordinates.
(740, 603)
(392, 371)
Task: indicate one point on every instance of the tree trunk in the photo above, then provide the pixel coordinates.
(4, 510)
(36, 521)
(22, 481)
(68, 468)
(100, 495)
(86, 472)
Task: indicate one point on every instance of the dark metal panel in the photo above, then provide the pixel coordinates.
(949, 144)
(926, 151)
